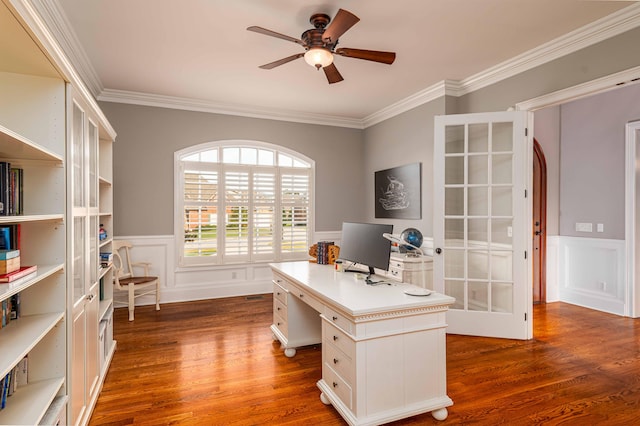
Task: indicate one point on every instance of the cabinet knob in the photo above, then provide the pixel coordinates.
(279, 324)
(438, 250)
(278, 308)
(301, 295)
(335, 338)
(335, 385)
(335, 360)
(334, 318)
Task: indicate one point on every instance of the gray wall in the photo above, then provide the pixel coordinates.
(546, 123)
(592, 159)
(404, 139)
(345, 158)
(149, 136)
(599, 60)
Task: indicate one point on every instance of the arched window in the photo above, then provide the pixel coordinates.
(242, 201)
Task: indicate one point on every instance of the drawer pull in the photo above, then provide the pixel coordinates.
(301, 295)
(335, 360)
(335, 385)
(334, 318)
(278, 293)
(279, 323)
(335, 338)
(278, 308)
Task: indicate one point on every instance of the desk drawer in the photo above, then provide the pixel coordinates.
(338, 319)
(279, 308)
(332, 335)
(340, 362)
(396, 272)
(339, 386)
(282, 324)
(279, 293)
(306, 297)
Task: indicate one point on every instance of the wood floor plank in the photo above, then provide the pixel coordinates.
(214, 362)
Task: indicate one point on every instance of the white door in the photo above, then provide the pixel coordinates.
(482, 222)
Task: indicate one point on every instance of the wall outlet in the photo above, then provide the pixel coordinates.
(600, 227)
(584, 227)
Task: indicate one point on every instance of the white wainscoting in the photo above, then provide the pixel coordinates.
(553, 269)
(592, 273)
(198, 283)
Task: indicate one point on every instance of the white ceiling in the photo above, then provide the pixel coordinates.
(199, 51)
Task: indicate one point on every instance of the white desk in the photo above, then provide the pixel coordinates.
(383, 352)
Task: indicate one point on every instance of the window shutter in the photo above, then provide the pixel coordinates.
(200, 213)
(243, 204)
(295, 189)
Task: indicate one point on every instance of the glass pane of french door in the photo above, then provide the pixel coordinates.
(479, 222)
(478, 216)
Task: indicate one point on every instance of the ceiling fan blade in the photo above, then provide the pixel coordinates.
(281, 61)
(332, 73)
(265, 31)
(339, 25)
(369, 55)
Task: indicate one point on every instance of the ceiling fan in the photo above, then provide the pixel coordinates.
(320, 44)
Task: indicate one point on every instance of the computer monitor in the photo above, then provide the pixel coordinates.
(363, 243)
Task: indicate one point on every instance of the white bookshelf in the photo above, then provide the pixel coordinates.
(32, 137)
(57, 330)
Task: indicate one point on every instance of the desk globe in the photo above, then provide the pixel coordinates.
(413, 237)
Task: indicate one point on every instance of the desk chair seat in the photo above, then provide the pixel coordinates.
(125, 278)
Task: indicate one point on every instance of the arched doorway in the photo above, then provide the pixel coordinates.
(539, 224)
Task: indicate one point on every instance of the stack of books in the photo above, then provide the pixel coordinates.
(10, 267)
(9, 261)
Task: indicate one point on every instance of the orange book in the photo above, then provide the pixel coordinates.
(9, 265)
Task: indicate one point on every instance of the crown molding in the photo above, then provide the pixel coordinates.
(600, 30)
(187, 104)
(56, 20)
(623, 78)
(617, 23)
(612, 25)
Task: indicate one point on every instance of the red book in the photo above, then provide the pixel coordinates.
(22, 272)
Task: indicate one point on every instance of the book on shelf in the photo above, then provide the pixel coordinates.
(11, 197)
(9, 254)
(10, 237)
(4, 187)
(20, 273)
(5, 305)
(5, 390)
(17, 377)
(14, 313)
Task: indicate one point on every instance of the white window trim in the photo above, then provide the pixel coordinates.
(179, 200)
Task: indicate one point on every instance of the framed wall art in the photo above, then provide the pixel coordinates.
(398, 193)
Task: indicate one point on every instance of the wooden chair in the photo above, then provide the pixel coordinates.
(126, 279)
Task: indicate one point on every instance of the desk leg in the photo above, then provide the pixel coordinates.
(440, 414)
(324, 399)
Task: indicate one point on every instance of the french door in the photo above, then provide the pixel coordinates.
(482, 222)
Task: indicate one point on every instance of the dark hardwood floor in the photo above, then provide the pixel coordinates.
(214, 362)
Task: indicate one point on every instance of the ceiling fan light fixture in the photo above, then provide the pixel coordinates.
(318, 57)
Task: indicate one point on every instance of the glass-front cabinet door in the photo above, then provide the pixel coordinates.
(481, 176)
(83, 206)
